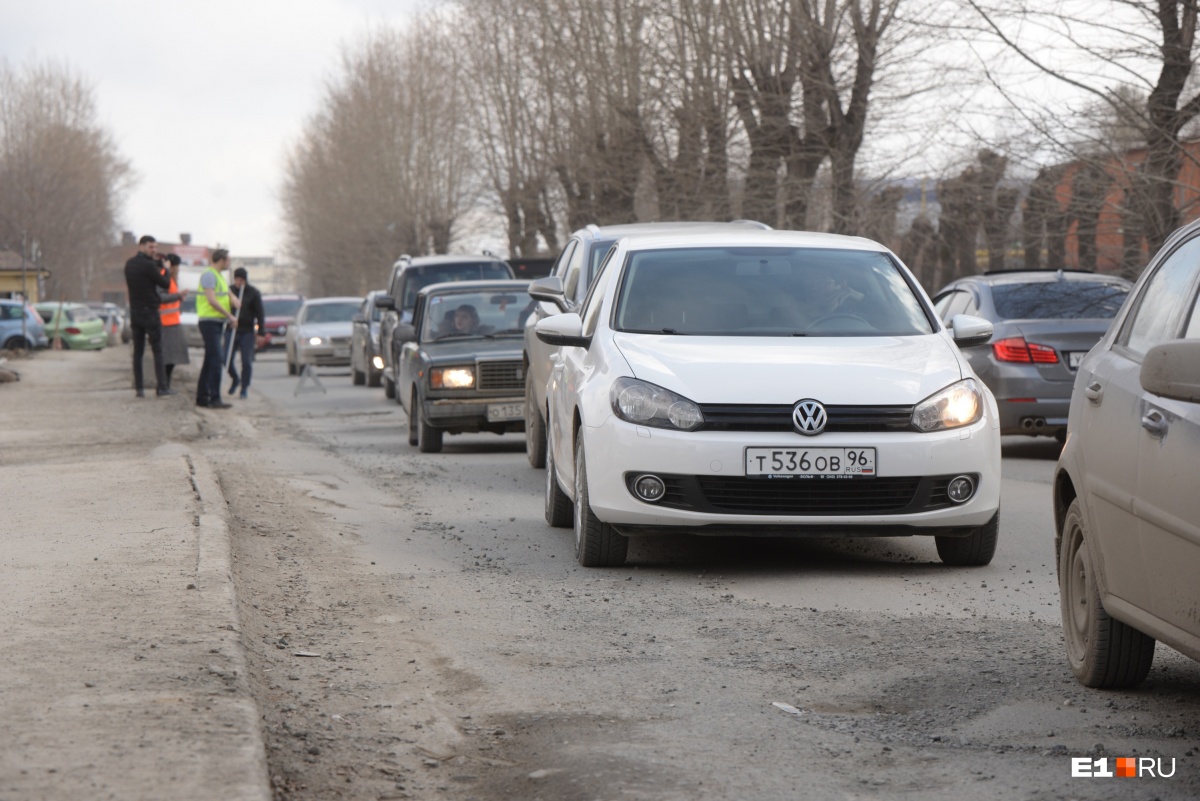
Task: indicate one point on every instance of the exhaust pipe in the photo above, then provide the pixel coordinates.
(1027, 423)
(1031, 423)
(1039, 422)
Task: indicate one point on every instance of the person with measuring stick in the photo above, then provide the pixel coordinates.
(251, 319)
(214, 312)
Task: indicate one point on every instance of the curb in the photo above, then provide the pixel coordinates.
(214, 580)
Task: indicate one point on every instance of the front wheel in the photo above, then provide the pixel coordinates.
(414, 438)
(1102, 651)
(974, 550)
(291, 367)
(357, 377)
(597, 544)
(535, 426)
(389, 388)
(429, 439)
(559, 512)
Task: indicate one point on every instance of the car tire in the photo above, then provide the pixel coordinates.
(1102, 652)
(18, 343)
(413, 436)
(429, 439)
(974, 550)
(389, 388)
(597, 544)
(560, 512)
(373, 379)
(535, 427)
(358, 377)
(291, 367)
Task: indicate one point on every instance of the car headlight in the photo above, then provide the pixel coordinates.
(647, 404)
(452, 377)
(955, 406)
(316, 341)
(377, 362)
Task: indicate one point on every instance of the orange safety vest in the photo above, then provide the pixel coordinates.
(170, 311)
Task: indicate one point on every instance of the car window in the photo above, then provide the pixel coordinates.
(571, 284)
(416, 278)
(10, 312)
(81, 315)
(46, 314)
(952, 304)
(1058, 300)
(486, 313)
(768, 291)
(279, 307)
(560, 266)
(595, 296)
(599, 249)
(330, 312)
(1193, 327)
(1163, 299)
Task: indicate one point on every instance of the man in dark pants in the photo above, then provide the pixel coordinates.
(213, 312)
(143, 277)
(251, 319)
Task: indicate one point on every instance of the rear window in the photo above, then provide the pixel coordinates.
(81, 315)
(777, 292)
(417, 278)
(281, 307)
(1058, 300)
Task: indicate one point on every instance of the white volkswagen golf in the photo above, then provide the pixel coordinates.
(766, 383)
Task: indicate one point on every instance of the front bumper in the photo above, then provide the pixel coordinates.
(471, 414)
(324, 355)
(707, 459)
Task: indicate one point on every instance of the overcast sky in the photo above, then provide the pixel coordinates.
(203, 97)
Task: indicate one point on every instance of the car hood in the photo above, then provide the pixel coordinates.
(470, 349)
(338, 329)
(886, 371)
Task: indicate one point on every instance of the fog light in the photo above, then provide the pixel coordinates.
(961, 489)
(650, 489)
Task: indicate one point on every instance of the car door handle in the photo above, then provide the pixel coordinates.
(1155, 422)
(1094, 391)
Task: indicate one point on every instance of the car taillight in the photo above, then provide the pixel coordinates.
(72, 330)
(1016, 349)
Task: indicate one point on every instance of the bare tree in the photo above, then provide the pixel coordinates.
(61, 177)
(384, 167)
(1098, 51)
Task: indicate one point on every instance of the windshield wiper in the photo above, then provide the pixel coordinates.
(505, 332)
(668, 331)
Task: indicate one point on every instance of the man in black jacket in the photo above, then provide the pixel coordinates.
(251, 320)
(144, 275)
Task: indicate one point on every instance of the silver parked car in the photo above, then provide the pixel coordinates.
(1045, 321)
(1126, 508)
(321, 334)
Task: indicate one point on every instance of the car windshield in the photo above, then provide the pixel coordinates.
(1058, 300)
(188, 305)
(487, 313)
(281, 307)
(756, 291)
(330, 312)
(426, 275)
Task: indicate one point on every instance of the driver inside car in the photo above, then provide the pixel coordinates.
(463, 321)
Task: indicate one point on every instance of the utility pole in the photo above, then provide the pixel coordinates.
(24, 288)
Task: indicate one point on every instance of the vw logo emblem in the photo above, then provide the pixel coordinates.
(809, 417)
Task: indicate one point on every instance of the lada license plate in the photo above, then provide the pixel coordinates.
(810, 462)
(503, 412)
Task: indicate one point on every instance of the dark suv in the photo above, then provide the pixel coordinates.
(409, 276)
(1045, 322)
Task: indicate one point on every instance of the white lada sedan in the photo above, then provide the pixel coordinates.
(766, 383)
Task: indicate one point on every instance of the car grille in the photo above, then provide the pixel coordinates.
(502, 375)
(339, 340)
(748, 417)
(807, 496)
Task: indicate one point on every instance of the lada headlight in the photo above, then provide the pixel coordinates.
(647, 404)
(452, 377)
(955, 406)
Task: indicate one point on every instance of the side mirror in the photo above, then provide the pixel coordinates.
(358, 318)
(404, 332)
(385, 302)
(969, 331)
(1172, 370)
(550, 289)
(563, 330)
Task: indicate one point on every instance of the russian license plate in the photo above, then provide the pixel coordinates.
(503, 412)
(810, 462)
(1075, 358)
(341, 353)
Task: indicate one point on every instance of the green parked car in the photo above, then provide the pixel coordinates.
(80, 327)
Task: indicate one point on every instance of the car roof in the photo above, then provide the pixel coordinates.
(999, 277)
(339, 299)
(693, 226)
(284, 296)
(449, 258)
(449, 287)
(740, 237)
